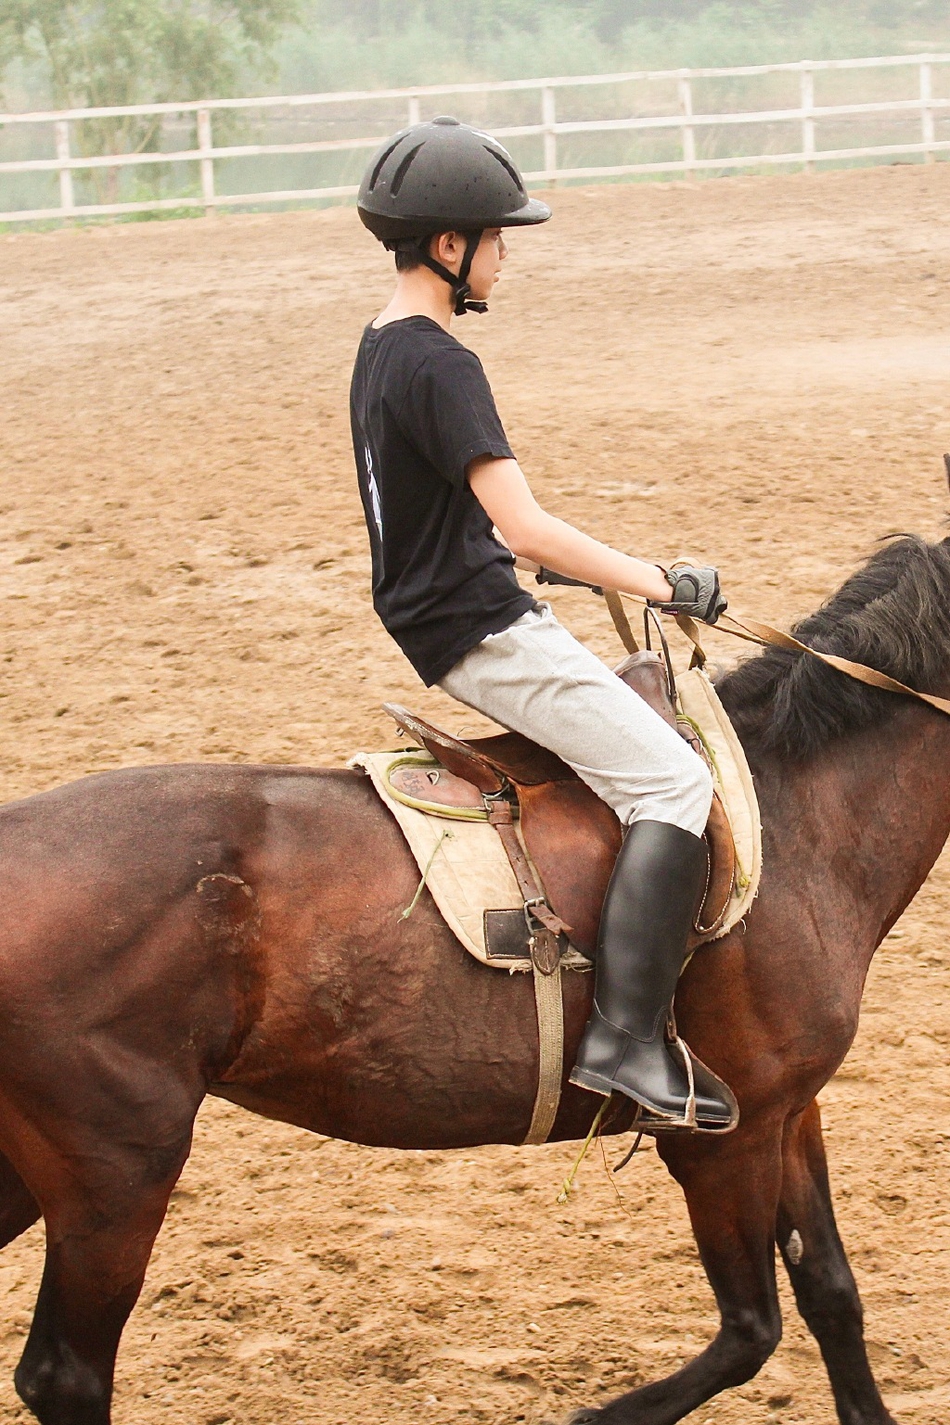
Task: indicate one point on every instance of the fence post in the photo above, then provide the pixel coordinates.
(927, 128)
(413, 109)
(689, 133)
(548, 120)
(808, 121)
(67, 199)
(207, 164)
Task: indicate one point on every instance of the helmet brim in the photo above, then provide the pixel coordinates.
(533, 212)
(389, 228)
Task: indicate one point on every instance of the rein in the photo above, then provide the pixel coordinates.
(753, 631)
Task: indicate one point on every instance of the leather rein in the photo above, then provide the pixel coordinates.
(753, 631)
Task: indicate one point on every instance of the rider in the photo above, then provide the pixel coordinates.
(440, 484)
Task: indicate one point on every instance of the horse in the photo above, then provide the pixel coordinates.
(176, 931)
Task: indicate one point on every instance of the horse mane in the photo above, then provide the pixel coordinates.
(893, 615)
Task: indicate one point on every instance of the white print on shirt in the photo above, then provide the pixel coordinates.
(373, 490)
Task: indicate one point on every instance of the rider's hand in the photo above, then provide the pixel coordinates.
(694, 592)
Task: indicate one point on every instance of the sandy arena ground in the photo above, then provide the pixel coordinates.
(754, 369)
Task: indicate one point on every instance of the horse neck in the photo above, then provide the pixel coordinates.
(871, 813)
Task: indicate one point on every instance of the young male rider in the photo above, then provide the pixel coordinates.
(436, 474)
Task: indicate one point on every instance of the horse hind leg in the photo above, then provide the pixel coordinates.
(18, 1207)
(824, 1286)
(103, 1213)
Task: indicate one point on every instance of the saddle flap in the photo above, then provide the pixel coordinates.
(645, 673)
(721, 877)
(457, 756)
(573, 839)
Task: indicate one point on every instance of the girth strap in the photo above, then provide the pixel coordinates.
(549, 1005)
(547, 941)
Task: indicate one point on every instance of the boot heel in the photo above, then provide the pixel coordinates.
(584, 1079)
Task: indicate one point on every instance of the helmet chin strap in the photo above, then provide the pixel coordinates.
(459, 283)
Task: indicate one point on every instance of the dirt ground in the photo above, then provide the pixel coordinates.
(754, 369)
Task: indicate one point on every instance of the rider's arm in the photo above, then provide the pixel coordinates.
(534, 535)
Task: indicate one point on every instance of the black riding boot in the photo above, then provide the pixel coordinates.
(628, 1046)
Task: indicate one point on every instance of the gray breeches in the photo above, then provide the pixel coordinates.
(535, 678)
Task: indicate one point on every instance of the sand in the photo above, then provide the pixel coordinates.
(752, 370)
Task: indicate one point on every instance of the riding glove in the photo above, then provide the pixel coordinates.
(696, 592)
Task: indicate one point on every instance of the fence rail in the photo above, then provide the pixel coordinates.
(683, 118)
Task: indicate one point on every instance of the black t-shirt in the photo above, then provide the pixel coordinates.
(421, 410)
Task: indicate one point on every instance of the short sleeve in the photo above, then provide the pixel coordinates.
(449, 413)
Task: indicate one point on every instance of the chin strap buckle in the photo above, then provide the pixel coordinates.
(464, 303)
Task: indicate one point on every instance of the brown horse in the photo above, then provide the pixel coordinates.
(170, 932)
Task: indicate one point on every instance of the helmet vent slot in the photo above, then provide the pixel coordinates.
(404, 167)
(377, 169)
(508, 166)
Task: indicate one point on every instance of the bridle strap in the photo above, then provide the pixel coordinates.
(753, 631)
(764, 633)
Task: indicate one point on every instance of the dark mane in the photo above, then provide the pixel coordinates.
(893, 615)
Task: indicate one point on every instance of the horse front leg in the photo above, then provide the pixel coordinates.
(824, 1286)
(732, 1189)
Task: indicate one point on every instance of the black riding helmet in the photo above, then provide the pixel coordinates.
(442, 176)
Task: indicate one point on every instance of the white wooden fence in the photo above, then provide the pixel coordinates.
(922, 105)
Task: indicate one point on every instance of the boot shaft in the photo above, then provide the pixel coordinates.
(657, 882)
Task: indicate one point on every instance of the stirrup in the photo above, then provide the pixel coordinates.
(649, 1120)
(653, 1121)
(690, 1122)
(689, 1113)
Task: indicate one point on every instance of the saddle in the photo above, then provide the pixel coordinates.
(569, 838)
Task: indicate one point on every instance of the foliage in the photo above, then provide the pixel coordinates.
(367, 43)
(103, 53)
(477, 21)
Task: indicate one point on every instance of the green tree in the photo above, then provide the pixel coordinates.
(98, 53)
